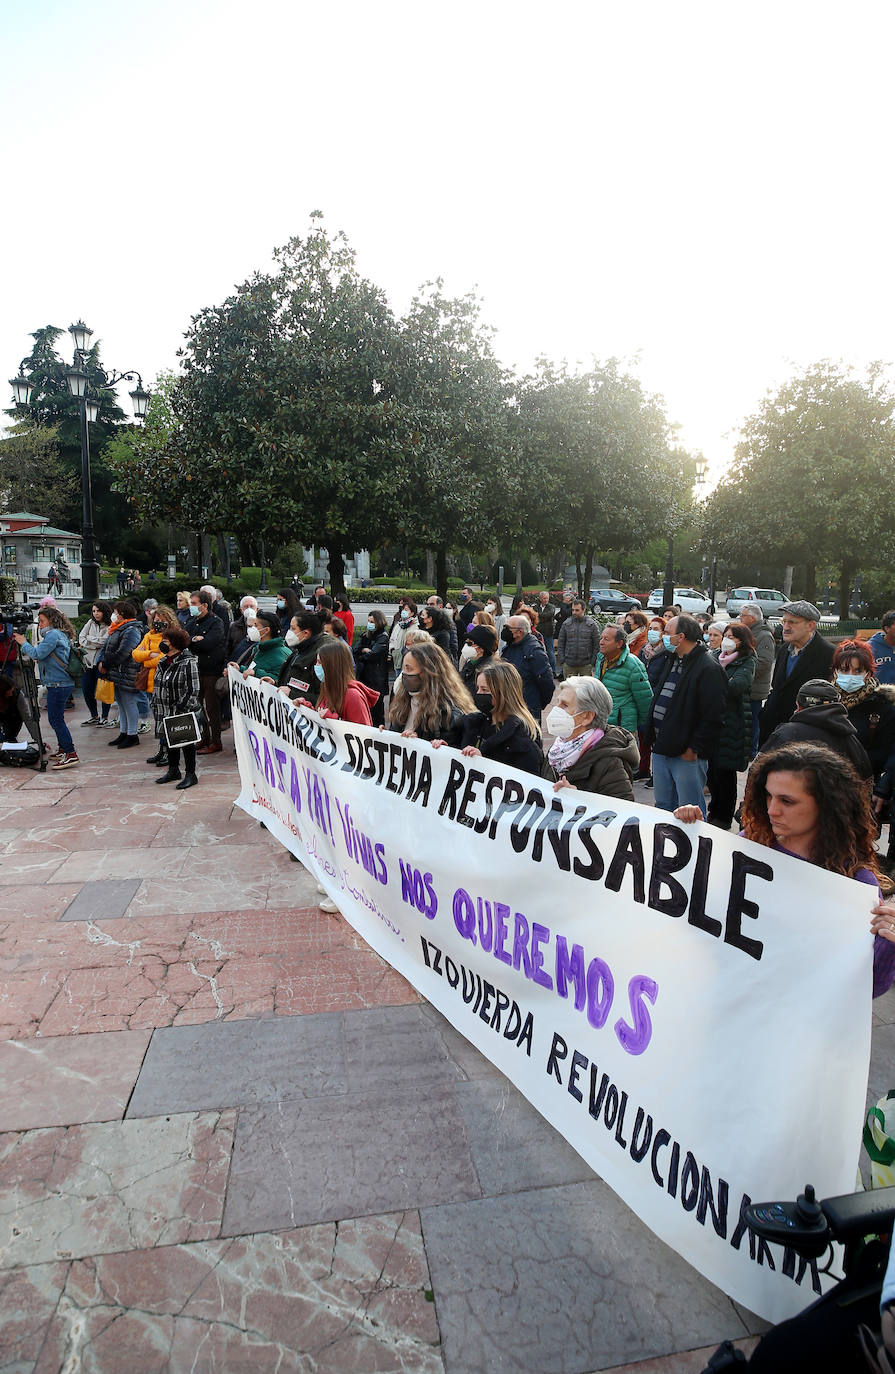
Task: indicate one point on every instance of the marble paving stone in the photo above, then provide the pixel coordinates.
(28, 1299)
(158, 896)
(385, 1045)
(38, 901)
(123, 1185)
(236, 1063)
(683, 1362)
(335, 1299)
(562, 1281)
(67, 1080)
(104, 832)
(85, 866)
(513, 1147)
(325, 1159)
(107, 899)
(471, 1060)
(16, 868)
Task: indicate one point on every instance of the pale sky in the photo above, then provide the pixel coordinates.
(705, 185)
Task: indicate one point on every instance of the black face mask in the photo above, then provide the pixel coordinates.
(158, 626)
(411, 682)
(484, 702)
(165, 647)
(507, 636)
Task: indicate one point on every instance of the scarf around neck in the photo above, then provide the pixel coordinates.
(564, 753)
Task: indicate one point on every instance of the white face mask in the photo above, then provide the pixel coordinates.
(560, 723)
(249, 613)
(253, 633)
(728, 646)
(467, 652)
(115, 617)
(292, 639)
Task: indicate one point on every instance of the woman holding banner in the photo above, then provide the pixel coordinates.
(806, 801)
(341, 695)
(501, 728)
(587, 752)
(430, 701)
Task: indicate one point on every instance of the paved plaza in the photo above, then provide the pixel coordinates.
(233, 1138)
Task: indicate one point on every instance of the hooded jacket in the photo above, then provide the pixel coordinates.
(297, 673)
(359, 701)
(606, 767)
(827, 724)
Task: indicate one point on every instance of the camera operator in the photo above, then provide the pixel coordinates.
(52, 653)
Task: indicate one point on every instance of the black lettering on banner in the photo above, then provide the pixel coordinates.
(664, 865)
(739, 905)
(628, 854)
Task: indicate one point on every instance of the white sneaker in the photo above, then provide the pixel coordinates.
(321, 888)
(330, 906)
(144, 727)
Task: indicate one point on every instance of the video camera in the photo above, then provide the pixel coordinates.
(19, 617)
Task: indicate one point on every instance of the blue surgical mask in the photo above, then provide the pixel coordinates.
(706, 638)
(318, 670)
(666, 640)
(371, 625)
(654, 636)
(850, 682)
(281, 605)
(194, 610)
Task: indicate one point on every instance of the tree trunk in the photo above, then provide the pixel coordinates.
(588, 572)
(441, 571)
(846, 576)
(336, 568)
(810, 581)
(430, 568)
(518, 573)
(578, 573)
(668, 588)
(222, 555)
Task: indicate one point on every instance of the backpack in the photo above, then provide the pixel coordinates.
(75, 665)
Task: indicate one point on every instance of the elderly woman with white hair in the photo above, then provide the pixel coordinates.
(587, 752)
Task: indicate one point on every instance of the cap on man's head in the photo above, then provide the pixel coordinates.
(816, 692)
(803, 609)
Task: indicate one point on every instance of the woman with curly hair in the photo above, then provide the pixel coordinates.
(429, 701)
(806, 801)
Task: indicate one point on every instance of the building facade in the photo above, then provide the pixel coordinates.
(31, 547)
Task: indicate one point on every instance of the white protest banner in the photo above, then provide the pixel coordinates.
(690, 1010)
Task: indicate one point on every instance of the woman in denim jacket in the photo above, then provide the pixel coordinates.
(57, 636)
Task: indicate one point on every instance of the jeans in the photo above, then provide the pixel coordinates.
(677, 782)
(89, 679)
(56, 698)
(756, 712)
(143, 705)
(128, 719)
(551, 657)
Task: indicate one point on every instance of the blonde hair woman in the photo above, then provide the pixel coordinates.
(502, 728)
(429, 701)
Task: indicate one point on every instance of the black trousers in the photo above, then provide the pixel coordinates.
(189, 758)
(723, 788)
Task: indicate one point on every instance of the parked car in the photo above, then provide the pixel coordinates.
(610, 599)
(690, 599)
(769, 599)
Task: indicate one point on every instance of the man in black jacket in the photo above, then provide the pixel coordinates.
(209, 643)
(530, 661)
(684, 720)
(821, 718)
(804, 655)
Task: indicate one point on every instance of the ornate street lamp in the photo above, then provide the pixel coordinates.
(21, 386)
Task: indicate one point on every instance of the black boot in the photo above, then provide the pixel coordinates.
(160, 757)
(171, 776)
(189, 781)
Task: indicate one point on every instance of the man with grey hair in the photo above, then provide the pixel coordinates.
(752, 617)
(237, 636)
(149, 605)
(218, 605)
(530, 662)
(805, 654)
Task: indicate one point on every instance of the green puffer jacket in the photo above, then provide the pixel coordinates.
(736, 723)
(628, 685)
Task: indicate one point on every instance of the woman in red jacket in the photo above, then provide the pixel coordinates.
(342, 611)
(341, 695)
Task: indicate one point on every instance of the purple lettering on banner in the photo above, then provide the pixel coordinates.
(486, 932)
(540, 935)
(574, 967)
(464, 914)
(501, 916)
(521, 956)
(269, 770)
(635, 1038)
(256, 749)
(600, 989)
(281, 756)
(294, 786)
